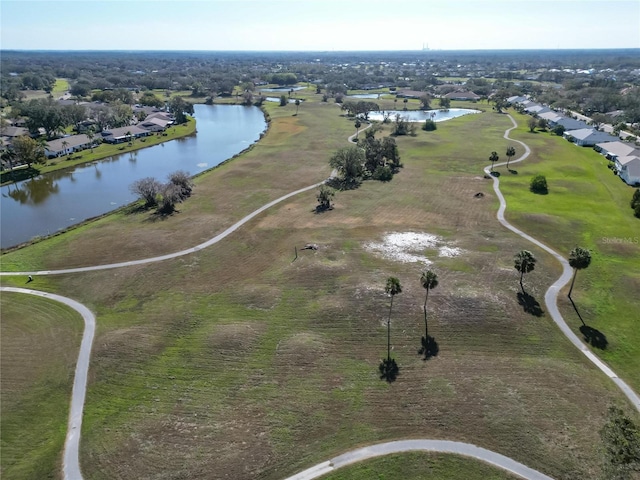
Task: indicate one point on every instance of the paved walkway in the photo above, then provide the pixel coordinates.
(71, 463)
(71, 466)
(551, 296)
(439, 446)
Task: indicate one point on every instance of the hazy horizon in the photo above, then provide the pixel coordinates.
(319, 25)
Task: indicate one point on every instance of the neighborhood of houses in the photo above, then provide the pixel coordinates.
(625, 156)
(155, 121)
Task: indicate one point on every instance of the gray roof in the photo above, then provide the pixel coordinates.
(618, 148)
(589, 133)
(71, 141)
(14, 131)
(123, 131)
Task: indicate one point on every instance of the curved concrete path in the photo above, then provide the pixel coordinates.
(436, 446)
(71, 462)
(168, 256)
(551, 296)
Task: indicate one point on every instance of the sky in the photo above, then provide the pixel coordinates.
(318, 25)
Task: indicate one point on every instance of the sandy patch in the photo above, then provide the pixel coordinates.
(409, 247)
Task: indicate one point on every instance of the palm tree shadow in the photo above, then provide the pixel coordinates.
(429, 348)
(513, 172)
(594, 337)
(389, 370)
(529, 304)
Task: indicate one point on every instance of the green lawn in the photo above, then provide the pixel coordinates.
(39, 343)
(586, 206)
(239, 361)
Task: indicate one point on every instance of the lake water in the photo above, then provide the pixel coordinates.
(43, 205)
(282, 89)
(367, 95)
(422, 115)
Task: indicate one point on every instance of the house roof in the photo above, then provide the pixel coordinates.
(550, 116)
(154, 121)
(632, 166)
(628, 159)
(454, 95)
(123, 131)
(588, 133)
(14, 131)
(617, 148)
(161, 115)
(571, 124)
(71, 141)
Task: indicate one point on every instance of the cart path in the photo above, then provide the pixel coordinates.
(439, 446)
(71, 462)
(551, 296)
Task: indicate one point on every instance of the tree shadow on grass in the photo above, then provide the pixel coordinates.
(495, 174)
(529, 304)
(513, 172)
(322, 209)
(429, 348)
(389, 370)
(594, 337)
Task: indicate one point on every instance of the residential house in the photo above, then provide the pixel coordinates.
(570, 124)
(629, 169)
(537, 109)
(124, 134)
(154, 124)
(551, 117)
(66, 145)
(587, 137)
(613, 150)
(470, 96)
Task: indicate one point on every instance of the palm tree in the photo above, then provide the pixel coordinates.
(128, 135)
(510, 153)
(395, 103)
(429, 281)
(579, 259)
(405, 101)
(91, 135)
(297, 105)
(525, 262)
(358, 125)
(65, 144)
(392, 288)
(493, 158)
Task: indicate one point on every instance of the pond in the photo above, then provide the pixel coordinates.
(48, 203)
(277, 100)
(422, 115)
(367, 95)
(282, 89)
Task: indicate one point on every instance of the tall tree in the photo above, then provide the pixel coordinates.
(429, 281)
(493, 158)
(297, 105)
(392, 288)
(65, 144)
(510, 153)
(357, 125)
(28, 150)
(349, 161)
(579, 259)
(91, 136)
(524, 262)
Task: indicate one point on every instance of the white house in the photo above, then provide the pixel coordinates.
(629, 169)
(65, 145)
(587, 137)
(613, 150)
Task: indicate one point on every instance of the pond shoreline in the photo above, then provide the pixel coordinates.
(134, 204)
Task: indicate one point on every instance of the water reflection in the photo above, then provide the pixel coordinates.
(54, 201)
(35, 190)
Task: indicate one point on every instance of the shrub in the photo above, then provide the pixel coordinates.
(429, 126)
(558, 130)
(147, 189)
(183, 183)
(383, 173)
(539, 184)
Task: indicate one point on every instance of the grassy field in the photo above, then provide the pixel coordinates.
(35, 393)
(586, 206)
(239, 362)
(102, 151)
(416, 466)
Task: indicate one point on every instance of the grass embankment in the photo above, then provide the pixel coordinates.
(417, 466)
(586, 206)
(239, 361)
(102, 151)
(39, 342)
